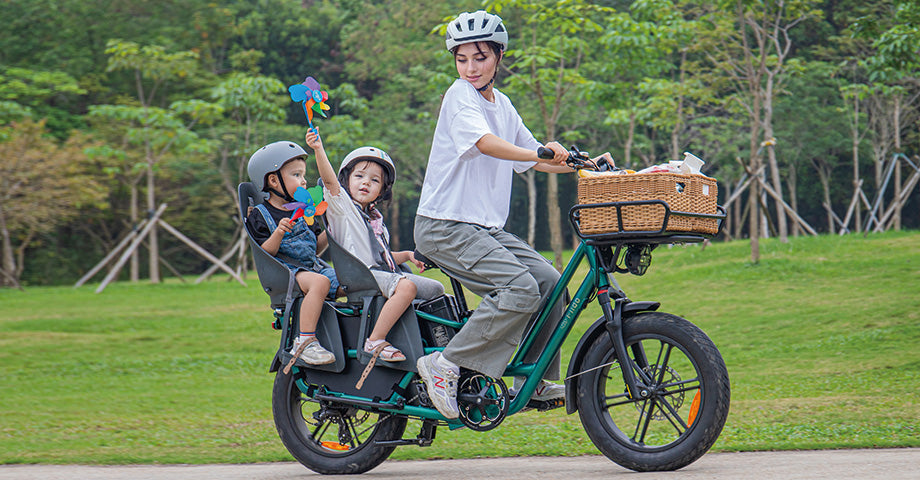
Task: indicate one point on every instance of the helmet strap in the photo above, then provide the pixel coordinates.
(283, 193)
(486, 86)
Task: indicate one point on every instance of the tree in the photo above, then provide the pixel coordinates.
(155, 130)
(555, 38)
(750, 43)
(42, 185)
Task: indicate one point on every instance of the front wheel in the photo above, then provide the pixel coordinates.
(687, 396)
(330, 438)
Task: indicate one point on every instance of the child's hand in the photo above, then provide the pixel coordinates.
(418, 263)
(285, 225)
(313, 139)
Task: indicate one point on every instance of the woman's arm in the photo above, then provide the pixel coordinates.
(326, 172)
(494, 146)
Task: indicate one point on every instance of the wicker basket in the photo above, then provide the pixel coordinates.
(683, 193)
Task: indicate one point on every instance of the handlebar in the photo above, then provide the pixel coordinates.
(577, 159)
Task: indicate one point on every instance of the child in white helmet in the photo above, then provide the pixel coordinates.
(278, 169)
(365, 178)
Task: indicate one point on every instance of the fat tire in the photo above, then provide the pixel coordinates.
(287, 401)
(596, 386)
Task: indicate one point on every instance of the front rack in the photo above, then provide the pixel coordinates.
(650, 237)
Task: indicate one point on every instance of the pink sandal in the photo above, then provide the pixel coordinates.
(387, 351)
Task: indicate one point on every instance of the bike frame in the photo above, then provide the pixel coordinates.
(596, 282)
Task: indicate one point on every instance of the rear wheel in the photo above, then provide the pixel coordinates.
(327, 437)
(687, 402)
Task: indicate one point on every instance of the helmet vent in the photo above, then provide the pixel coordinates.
(470, 24)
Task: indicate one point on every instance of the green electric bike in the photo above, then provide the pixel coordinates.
(651, 389)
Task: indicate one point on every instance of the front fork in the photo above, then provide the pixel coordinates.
(614, 326)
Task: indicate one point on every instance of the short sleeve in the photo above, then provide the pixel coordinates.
(467, 121)
(257, 226)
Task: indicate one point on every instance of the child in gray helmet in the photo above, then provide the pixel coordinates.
(278, 169)
(365, 179)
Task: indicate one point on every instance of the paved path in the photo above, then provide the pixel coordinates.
(884, 464)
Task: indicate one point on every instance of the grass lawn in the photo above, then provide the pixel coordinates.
(821, 339)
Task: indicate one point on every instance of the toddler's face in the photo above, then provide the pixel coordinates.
(294, 175)
(365, 182)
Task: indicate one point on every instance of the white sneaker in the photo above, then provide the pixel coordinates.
(313, 353)
(441, 383)
(545, 390)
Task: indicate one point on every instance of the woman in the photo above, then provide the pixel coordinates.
(479, 142)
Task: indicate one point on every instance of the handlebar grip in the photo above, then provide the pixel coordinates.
(545, 153)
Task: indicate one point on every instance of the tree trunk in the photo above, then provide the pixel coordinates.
(530, 179)
(154, 243)
(393, 226)
(9, 263)
(897, 160)
(135, 265)
(793, 201)
(824, 177)
(555, 219)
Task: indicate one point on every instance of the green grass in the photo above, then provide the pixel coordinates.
(821, 339)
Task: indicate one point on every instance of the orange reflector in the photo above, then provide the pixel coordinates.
(334, 445)
(694, 408)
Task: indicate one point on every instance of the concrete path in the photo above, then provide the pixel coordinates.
(883, 464)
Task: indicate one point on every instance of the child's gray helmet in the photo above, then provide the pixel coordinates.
(479, 26)
(270, 159)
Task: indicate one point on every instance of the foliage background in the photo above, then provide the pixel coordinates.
(641, 84)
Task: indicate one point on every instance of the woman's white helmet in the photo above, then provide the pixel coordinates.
(478, 26)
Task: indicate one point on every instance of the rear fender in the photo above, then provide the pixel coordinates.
(595, 330)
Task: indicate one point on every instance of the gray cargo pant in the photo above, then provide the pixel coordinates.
(512, 280)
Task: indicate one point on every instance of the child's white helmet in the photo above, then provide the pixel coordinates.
(479, 26)
(370, 154)
(270, 159)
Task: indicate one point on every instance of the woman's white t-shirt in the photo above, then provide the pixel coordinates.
(462, 183)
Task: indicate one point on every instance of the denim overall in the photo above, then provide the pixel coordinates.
(298, 249)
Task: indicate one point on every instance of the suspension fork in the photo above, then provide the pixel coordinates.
(614, 327)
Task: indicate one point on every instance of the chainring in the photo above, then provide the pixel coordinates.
(483, 401)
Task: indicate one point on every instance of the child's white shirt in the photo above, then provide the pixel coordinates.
(461, 183)
(346, 225)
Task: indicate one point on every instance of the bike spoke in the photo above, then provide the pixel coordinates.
(671, 414)
(645, 418)
(663, 362)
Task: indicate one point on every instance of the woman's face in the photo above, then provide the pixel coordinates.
(476, 63)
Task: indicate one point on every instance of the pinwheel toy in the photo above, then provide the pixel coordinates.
(311, 97)
(309, 202)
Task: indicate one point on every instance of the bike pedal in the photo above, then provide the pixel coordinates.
(544, 405)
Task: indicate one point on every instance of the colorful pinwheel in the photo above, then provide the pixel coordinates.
(309, 202)
(312, 98)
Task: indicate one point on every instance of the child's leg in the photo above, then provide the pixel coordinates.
(314, 287)
(393, 308)
(306, 346)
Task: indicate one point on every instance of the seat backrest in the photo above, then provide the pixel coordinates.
(354, 276)
(276, 279)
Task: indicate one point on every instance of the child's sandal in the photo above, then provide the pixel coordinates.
(387, 351)
(381, 349)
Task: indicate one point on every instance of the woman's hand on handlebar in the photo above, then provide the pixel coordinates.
(600, 160)
(560, 154)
